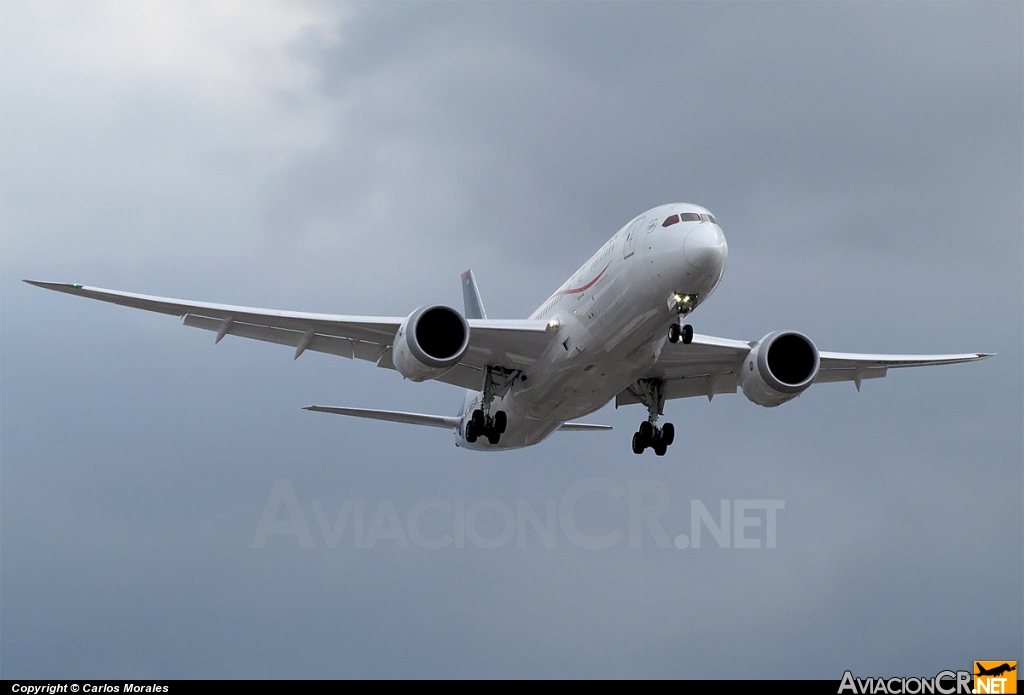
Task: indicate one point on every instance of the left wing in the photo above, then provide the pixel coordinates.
(851, 366)
(710, 365)
(512, 344)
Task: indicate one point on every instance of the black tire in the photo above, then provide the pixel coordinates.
(646, 432)
(673, 333)
(500, 422)
(478, 420)
(668, 434)
(638, 444)
(687, 334)
(660, 448)
(493, 437)
(470, 433)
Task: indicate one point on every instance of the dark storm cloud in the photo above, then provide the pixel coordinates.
(865, 160)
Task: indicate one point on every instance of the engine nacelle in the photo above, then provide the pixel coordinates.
(430, 342)
(779, 368)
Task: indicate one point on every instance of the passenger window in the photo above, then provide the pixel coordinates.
(669, 221)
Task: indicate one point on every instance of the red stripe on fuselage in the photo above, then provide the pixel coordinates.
(581, 289)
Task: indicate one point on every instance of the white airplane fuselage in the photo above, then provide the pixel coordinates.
(613, 317)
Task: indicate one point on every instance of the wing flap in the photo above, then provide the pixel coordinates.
(331, 345)
(687, 387)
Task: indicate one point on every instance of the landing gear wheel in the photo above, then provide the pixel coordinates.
(646, 432)
(500, 422)
(660, 448)
(687, 334)
(493, 437)
(477, 421)
(668, 434)
(674, 333)
(470, 432)
(638, 443)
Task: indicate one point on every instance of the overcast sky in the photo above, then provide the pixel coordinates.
(866, 161)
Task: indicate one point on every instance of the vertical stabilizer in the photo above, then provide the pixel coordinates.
(471, 297)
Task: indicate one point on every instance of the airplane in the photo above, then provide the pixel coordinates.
(615, 330)
(996, 671)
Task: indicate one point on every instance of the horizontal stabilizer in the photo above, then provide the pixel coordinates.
(583, 427)
(452, 423)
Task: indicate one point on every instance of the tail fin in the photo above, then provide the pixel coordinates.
(471, 297)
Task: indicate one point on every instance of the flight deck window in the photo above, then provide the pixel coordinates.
(669, 221)
(689, 217)
(713, 220)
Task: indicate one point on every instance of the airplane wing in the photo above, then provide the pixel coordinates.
(709, 366)
(513, 344)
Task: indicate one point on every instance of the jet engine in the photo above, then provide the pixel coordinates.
(430, 342)
(779, 368)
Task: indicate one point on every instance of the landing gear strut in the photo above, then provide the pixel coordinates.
(482, 423)
(682, 304)
(651, 393)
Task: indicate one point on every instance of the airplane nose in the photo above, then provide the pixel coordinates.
(705, 248)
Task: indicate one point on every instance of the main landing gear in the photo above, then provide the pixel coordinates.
(497, 382)
(651, 393)
(480, 425)
(657, 438)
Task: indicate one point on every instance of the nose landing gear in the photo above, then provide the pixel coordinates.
(683, 333)
(682, 304)
(651, 393)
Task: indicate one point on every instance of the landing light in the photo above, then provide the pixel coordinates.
(553, 324)
(681, 302)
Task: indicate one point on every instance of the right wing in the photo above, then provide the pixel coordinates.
(512, 344)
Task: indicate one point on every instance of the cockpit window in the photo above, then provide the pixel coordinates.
(670, 220)
(689, 217)
(713, 220)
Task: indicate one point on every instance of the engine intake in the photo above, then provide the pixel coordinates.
(430, 342)
(779, 368)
